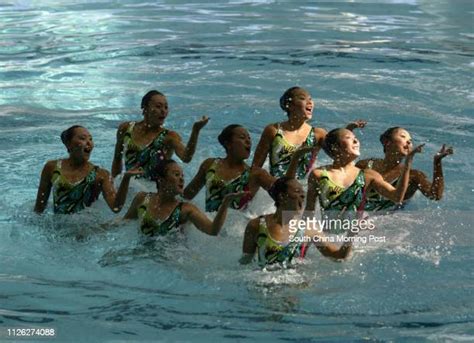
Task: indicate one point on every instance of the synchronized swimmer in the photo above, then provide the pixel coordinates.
(344, 189)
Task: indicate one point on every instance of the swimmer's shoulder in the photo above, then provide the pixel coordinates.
(320, 134)
(49, 167)
(123, 128)
(270, 130)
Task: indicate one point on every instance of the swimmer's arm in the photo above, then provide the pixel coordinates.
(117, 161)
(186, 153)
(116, 200)
(44, 188)
(313, 190)
(264, 145)
(250, 241)
(199, 180)
(358, 124)
(202, 222)
(331, 250)
(132, 212)
(435, 189)
(320, 135)
(385, 189)
(260, 178)
(295, 159)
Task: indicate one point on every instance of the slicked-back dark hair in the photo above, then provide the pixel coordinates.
(226, 135)
(147, 97)
(287, 97)
(67, 134)
(279, 186)
(388, 135)
(331, 141)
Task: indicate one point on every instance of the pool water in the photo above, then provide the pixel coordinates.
(402, 63)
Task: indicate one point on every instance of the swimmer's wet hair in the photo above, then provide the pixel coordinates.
(387, 135)
(331, 141)
(147, 97)
(226, 135)
(280, 186)
(67, 134)
(160, 169)
(287, 97)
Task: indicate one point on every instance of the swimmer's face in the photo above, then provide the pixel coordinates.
(293, 200)
(81, 144)
(156, 110)
(401, 143)
(348, 144)
(174, 180)
(301, 104)
(240, 144)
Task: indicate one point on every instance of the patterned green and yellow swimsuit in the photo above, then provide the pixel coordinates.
(338, 202)
(281, 152)
(217, 189)
(151, 226)
(73, 197)
(147, 156)
(271, 251)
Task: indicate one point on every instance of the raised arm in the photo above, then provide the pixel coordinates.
(118, 154)
(358, 124)
(202, 222)
(264, 145)
(260, 178)
(186, 153)
(44, 188)
(386, 189)
(199, 180)
(295, 159)
(313, 191)
(433, 190)
(116, 200)
(250, 241)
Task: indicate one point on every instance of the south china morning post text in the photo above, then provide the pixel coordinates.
(309, 229)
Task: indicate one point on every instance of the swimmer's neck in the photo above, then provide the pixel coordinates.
(391, 161)
(77, 163)
(147, 127)
(343, 163)
(278, 216)
(294, 123)
(233, 162)
(165, 197)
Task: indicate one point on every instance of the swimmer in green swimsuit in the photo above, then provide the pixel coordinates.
(397, 143)
(76, 183)
(272, 238)
(161, 213)
(231, 174)
(143, 144)
(279, 141)
(341, 187)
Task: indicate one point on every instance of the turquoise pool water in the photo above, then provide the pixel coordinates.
(392, 62)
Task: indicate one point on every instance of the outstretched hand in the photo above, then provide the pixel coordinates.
(417, 150)
(358, 124)
(201, 123)
(443, 152)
